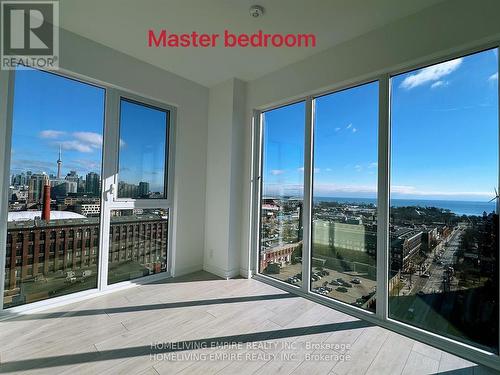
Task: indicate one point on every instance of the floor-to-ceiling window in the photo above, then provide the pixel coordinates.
(281, 206)
(55, 187)
(402, 189)
(90, 187)
(344, 220)
(443, 241)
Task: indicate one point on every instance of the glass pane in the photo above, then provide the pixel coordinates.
(344, 232)
(443, 217)
(282, 193)
(54, 194)
(143, 142)
(137, 244)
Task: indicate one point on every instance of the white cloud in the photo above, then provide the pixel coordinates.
(93, 140)
(348, 126)
(316, 170)
(277, 172)
(85, 163)
(358, 167)
(439, 84)
(493, 77)
(337, 129)
(373, 165)
(283, 189)
(83, 142)
(412, 190)
(430, 74)
(77, 141)
(354, 130)
(75, 146)
(328, 169)
(51, 134)
(332, 189)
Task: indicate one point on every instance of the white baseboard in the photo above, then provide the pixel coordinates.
(187, 270)
(225, 274)
(246, 273)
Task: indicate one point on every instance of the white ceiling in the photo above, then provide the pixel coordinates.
(123, 25)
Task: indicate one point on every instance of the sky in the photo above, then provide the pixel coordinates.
(444, 136)
(52, 112)
(142, 153)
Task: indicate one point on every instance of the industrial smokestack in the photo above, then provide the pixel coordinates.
(46, 203)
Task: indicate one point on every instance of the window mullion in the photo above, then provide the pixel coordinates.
(307, 202)
(383, 198)
(6, 99)
(110, 165)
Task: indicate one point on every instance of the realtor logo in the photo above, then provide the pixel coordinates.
(30, 34)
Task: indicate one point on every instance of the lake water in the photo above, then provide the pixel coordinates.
(457, 207)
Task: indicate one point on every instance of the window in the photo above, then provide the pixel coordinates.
(444, 215)
(56, 142)
(122, 266)
(282, 193)
(143, 151)
(427, 201)
(344, 226)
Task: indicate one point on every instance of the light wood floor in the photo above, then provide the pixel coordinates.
(279, 334)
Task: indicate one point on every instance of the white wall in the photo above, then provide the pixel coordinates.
(224, 186)
(87, 58)
(448, 27)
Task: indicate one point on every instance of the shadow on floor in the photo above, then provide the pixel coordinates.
(158, 306)
(165, 348)
(195, 276)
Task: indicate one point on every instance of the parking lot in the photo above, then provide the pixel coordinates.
(351, 293)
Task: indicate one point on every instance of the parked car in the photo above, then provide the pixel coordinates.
(356, 281)
(341, 289)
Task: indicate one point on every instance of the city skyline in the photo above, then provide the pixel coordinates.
(435, 113)
(53, 113)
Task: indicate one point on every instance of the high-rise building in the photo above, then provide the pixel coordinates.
(63, 187)
(36, 184)
(92, 183)
(72, 176)
(143, 189)
(127, 190)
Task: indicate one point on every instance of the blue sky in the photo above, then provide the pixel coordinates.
(444, 136)
(51, 112)
(143, 135)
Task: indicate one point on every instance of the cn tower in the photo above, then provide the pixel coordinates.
(59, 164)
